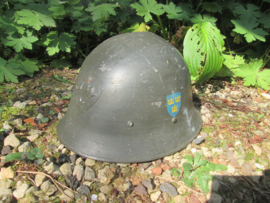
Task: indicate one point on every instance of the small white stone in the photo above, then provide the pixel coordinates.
(259, 166)
(231, 169)
(94, 197)
(257, 149)
(193, 150)
(155, 195)
(20, 191)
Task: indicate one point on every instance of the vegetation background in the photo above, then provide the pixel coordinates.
(217, 38)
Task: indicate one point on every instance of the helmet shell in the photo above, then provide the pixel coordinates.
(132, 102)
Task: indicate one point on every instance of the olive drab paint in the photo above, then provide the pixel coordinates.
(132, 102)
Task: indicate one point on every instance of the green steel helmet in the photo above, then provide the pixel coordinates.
(132, 102)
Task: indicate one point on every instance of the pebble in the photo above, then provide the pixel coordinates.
(157, 171)
(259, 166)
(198, 140)
(65, 169)
(5, 195)
(167, 175)
(79, 161)
(68, 198)
(230, 169)
(102, 197)
(148, 184)
(106, 189)
(73, 158)
(155, 195)
(48, 188)
(168, 188)
(12, 141)
(7, 173)
(105, 175)
(5, 150)
(90, 162)
(63, 159)
(84, 190)
(18, 122)
(121, 185)
(257, 149)
(78, 172)
(20, 191)
(51, 167)
(179, 199)
(141, 190)
(94, 197)
(39, 179)
(20, 105)
(215, 198)
(32, 190)
(89, 173)
(24, 147)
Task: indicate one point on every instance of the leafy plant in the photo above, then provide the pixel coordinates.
(32, 154)
(196, 170)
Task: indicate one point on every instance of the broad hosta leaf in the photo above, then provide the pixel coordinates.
(9, 71)
(175, 12)
(137, 28)
(251, 10)
(198, 18)
(212, 7)
(15, 156)
(202, 50)
(23, 42)
(56, 43)
(252, 76)
(147, 7)
(34, 19)
(101, 11)
(247, 27)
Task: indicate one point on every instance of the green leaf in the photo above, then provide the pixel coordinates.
(19, 43)
(101, 11)
(60, 79)
(199, 19)
(252, 76)
(44, 120)
(26, 65)
(9, 71)
(215, 167)
(233, 61)
(60, 64)
(212, 7)
(58, 10)
(247, 27)
(15, 156)
(175, 12)
(175, 172)
(246, 13)
(146, 8)
(187, 167)
(189, 159)
(203, 45)
(137, 27)
(197, 158)
(34, 19)
(98, 27)
(202, 180)
(265, 20)
(34, 153)
(55, 43)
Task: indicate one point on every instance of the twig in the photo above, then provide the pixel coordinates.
(56, 183)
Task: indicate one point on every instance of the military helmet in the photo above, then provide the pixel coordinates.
(132, 102)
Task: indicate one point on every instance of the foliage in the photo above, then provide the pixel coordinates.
(62, 33)
(32, 154)
(196, 170)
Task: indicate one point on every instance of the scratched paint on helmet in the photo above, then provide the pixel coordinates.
(173, 103)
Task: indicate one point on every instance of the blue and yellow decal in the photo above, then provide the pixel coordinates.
(173, 103)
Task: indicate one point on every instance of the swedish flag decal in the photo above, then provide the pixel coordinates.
(173, 103)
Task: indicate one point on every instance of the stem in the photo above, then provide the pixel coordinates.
(226, 39)
(162, 28)
(261, 4)
(266, 61)
(198, 6)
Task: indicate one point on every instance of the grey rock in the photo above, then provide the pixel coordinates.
(20, 90)
(148, 184)
(141, 190)
(24, 147)
(68, 198)
(66, 169)
(168, 188)
(106, 189)
(78, 172)
(5, 150)
(51, 167)
(20, 191)
(79, 161)
(7, 127)
(73, 158)
(31, 190)
(6, 195)
(39, 179)
(198, 140)
(51, 147)
(215, 198)
(20, 105)
(89, 174)
(35, 132)
(57, 173)
(46, 104)
(83, 190)
(12, 141)
(18, 122)
(215, 185)
(6, 183)
(48, 188)
(145, 165)
(39, 161)
(40, 116)
(62, 159)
